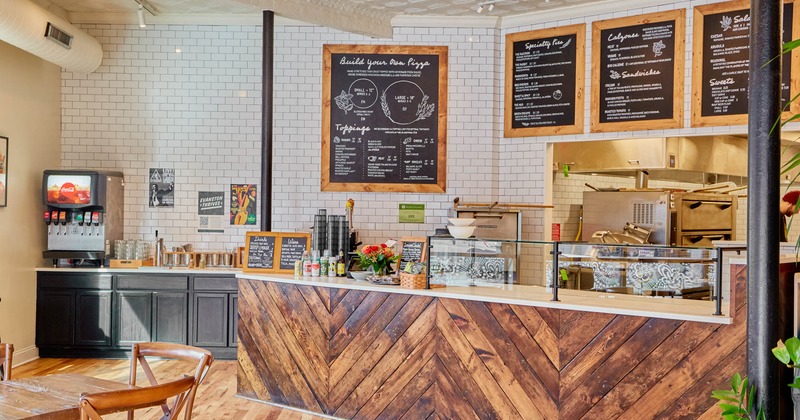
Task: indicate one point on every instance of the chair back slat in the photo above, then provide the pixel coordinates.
(93, 406)
(7, 358)
(201, 357)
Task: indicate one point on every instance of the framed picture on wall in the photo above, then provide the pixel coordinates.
(3, 171)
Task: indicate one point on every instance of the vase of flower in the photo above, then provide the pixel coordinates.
(377, 258)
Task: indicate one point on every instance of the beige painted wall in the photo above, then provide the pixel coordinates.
(30, 116)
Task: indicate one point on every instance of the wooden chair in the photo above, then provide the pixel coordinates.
(202, 357)
(94, 405)
(7, 356)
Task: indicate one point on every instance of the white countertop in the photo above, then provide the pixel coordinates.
(142, 270)
(620, 304)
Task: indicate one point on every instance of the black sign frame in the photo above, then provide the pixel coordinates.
(544, 38)
(392, 57)
(423, 241)
(678, 59)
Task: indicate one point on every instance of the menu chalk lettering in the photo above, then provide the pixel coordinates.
(724, 46)
(411, 252)
(292, 249)
(639, 76)
(544, 71)
(261, 252)
(384, 126)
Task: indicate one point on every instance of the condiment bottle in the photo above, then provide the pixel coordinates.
(306, 264)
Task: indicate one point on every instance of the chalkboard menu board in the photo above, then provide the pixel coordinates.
(384, 118)
(721, 63)
(292, 248)
(273, 252)
(544, 81)
(638, 75)
(412, 250)
(260, 252)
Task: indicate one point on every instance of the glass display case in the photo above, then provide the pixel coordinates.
(649, 270)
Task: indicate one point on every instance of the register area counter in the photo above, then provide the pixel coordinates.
(351, 349)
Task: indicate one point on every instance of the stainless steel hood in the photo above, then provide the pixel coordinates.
(704, 159)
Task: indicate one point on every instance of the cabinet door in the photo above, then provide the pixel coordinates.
(171, 315)
(93, 316)
(134, 318)
(233, 320)
(210, 320)
(54, 317)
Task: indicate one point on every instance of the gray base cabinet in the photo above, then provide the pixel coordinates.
(101, 315)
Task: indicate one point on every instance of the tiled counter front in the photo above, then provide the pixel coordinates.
(356, 352)
(100, 313)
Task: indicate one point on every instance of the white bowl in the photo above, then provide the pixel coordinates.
(461, 232)
(360, 275)
(461, 222)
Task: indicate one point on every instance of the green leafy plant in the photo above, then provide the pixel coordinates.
(737, 402)
(789, 354)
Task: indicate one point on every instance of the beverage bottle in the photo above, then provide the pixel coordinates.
(340, 265)
(332, 266)
(323, 263)
(306, 264)
(315, 264)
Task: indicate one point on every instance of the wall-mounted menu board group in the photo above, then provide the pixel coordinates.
(274, 252)
(544, 81)
(384, 118)
(637, 72)
(720, 70)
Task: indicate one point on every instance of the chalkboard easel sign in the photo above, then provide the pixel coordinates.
(721, 63)
(273, 252)
(544, 74)
(637, 72)
(412, 249)
(384, 118)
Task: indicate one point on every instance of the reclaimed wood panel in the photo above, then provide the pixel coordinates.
(371, 355)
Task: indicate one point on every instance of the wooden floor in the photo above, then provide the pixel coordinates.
(215, 398)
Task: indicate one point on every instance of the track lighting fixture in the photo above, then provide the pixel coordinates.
(491, 7)
(479, 9)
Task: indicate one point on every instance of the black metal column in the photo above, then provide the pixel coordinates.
(267, 66)
(763, 197)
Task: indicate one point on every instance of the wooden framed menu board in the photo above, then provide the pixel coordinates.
(412, 249)
(721, 63)
(638, 72)
(384, 118)
(544, 81)
(273, 252)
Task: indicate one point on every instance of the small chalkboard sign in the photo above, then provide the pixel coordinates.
(637, 78)
(273, 252)
(260, 252)
(291, 250)
(412, 249)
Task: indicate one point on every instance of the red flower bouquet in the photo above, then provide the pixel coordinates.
(379, 257)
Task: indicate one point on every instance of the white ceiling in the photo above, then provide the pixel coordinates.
(369, 17)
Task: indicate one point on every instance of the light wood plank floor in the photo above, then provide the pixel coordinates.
(215, 398)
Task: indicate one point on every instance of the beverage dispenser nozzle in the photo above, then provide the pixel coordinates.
(96, 220)
(78, 217)
(87, 220)
(47, 221)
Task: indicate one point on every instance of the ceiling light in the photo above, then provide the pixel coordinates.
(140, 14)
(491, 7)
(480, 8)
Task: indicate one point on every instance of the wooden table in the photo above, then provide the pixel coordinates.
(52, 397)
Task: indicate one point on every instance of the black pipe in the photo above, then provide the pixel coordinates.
(267, 66)
(764, 109)
(556, 272)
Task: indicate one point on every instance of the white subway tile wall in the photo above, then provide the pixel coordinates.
(188, 97)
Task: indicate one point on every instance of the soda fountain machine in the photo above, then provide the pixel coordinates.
(84, 212)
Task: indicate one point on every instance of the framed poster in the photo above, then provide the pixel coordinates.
(721, 63)
(3, 171)
(638, 72)
(244, 198)
(384, 118)
(162, 187)
(544, 74)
